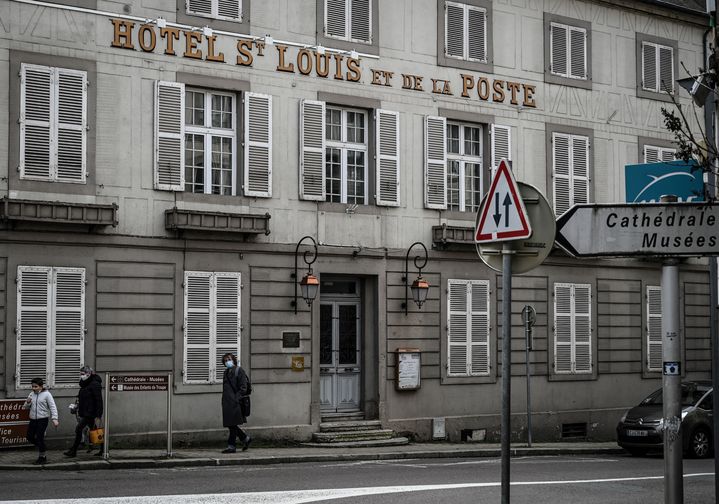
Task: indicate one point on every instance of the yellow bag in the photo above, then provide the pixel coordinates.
(97, 436)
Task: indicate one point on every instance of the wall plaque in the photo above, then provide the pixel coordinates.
(409, 364)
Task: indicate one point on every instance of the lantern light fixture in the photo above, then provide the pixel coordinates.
(310, 284)
(420, 287)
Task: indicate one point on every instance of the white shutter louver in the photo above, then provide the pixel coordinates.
(577, 53)
(654, 328)
(649, 67)
(558, 51)
(560, 173)
(435, 162)
(582, 303)
(580, 170)
(33, 323)
(35, 118)
(200, 7)
(501, 144)
(562, 328)
(229, 9)
(666, 70)
(457, 326)
(312, 150)
(68, 325)
(479, 323)
(388, 167)
(169, 136)
(476, 34)
(227, 318)
(71, 125)
(336, 18)
(667, 155)
(258, 145)
(361, 21)
(454, 30)
(651, 154)
(198, 367)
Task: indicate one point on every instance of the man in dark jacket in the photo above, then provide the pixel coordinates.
(235, 385)
(89, 406)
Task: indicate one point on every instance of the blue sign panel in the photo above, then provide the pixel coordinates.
(646, 183)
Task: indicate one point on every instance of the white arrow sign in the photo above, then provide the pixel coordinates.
(503, 216)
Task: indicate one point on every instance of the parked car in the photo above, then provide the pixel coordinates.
(640, 428)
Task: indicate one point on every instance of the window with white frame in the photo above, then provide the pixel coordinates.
(216, 9)
(657, 68)
(468, 352)
(465, 32)
(570, 170)
(568, 51)
(197, 135)
(212, 324)
(210, 142)
(53, 124)
(654, 154)
(572, 328)
(464, 166)
(654, 328)
(50, 325)
(346, 155)
(349, 20)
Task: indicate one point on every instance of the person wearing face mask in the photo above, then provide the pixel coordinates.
(235, 389)
(89, 406)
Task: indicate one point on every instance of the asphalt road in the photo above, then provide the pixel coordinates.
(536, 480)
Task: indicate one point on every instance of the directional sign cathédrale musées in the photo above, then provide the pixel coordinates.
(652, 229)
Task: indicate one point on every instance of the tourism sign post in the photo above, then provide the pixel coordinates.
(669, 230)
(503, 218)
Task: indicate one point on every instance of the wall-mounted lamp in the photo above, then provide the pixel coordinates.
(420, 287)
(309, 284)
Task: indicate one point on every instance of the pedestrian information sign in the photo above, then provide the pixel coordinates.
(503, 216)
(138, 383)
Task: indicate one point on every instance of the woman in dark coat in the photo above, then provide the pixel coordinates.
(234, 390)
(89, 406)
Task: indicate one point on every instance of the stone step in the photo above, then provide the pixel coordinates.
(342, 417)
(397, 441)
(346, 436)
(350, 426)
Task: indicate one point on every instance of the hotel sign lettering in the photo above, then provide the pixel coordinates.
(194, 44)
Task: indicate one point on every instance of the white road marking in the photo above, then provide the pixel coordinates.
(303, 496)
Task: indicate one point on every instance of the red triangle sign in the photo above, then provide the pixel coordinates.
(503, 216)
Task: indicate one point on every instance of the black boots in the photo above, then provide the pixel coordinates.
(72, 452)
(41, 460)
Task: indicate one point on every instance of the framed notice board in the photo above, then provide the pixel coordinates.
(408, 369)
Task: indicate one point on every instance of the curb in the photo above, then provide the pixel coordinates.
(294, 459)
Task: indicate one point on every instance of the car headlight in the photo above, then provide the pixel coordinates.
(624, 417)
(684, 413)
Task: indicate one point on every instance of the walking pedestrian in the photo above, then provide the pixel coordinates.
(42, 410)
(89, 406)
(235, 389)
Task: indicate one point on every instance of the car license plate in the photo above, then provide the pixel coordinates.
(637, 433)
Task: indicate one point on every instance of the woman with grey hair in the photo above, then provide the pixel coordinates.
(89, 406)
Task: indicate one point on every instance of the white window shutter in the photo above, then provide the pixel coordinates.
(651, 154)
(435, 162)
(560, 172)
(387, 166)
(71, 125)
(578, 53)
(582, 304)
(312, 150)
(454, 30)
(562, 328)
(558, 49)
(501, 144)
(479, 363)
(201, 7)
(580, 170)
(258, 145)
(476, 34)
(34, 299)
(654, 328)
(169, 136)
(649, 67)
(336, 18)
(667, 155)
(198, 365)
(36, 145)
(457, 327)
(361, 20)
(229, 9)
(227, 318)
(68, 323)
(666, 69)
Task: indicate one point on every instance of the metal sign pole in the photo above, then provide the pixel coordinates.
(528, 317)
(169, 415)
(506, 365)
(671, 384)
(106, 443)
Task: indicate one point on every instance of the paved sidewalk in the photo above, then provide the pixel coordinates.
(21, 459)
